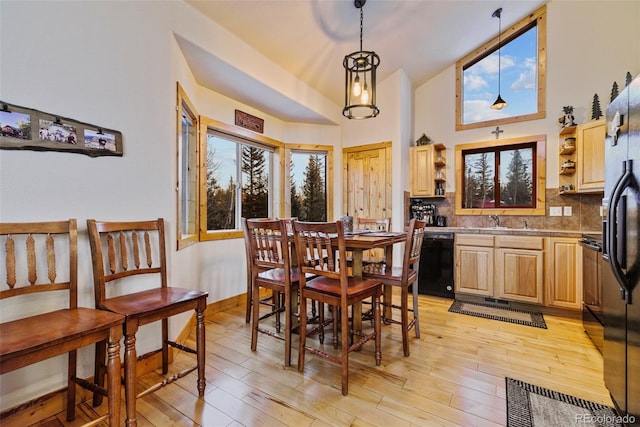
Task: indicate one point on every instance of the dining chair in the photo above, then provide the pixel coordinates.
(271, 300)
(129, 256)
(268, 252)
(403, 277)
(41, 260)
(332, 286)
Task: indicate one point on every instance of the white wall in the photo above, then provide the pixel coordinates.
(116, 64)
(589, 46)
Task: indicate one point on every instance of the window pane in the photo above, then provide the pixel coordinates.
(238, 182)
(516, 177)
(188, 199)
(308, 186)
(518, 81)
(511, 166)
(479, 180)
(255, 182)
(222, 177)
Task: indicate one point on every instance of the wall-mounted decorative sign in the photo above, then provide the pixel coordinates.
(248, 121)
(28, 129)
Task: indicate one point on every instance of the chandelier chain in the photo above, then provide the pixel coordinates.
(361, 19)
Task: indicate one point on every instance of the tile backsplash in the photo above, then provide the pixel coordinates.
(585, 215)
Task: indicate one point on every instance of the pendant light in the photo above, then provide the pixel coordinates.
(360, 79)
(500, 103)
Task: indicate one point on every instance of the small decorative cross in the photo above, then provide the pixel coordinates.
(498, 131)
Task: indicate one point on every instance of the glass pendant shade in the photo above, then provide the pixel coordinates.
(499, 104)
(360, 80)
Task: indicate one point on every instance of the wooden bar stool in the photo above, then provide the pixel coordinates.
(41, 259)
(123, 252)
(403, 277)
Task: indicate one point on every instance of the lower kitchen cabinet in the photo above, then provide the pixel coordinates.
(564, 277)
(474, 264)
(519, 268)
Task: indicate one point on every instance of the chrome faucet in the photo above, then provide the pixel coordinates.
(495, 219)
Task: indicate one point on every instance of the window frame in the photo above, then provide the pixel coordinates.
(539, 178)
(183, 103)
(537, 18)
(238, 134)
(285, 198)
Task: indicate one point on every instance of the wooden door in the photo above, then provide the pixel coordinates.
(367, 188)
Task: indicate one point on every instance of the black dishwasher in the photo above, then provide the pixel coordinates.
(436, 265)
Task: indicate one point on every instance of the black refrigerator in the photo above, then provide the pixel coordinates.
(621, 272)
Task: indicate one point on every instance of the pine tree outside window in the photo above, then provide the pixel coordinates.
(308, 185)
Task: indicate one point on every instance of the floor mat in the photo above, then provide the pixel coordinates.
(531, 406)
(505, 314)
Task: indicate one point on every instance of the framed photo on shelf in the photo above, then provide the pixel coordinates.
(28, 129)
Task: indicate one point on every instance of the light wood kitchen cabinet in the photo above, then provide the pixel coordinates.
(519, 268)
(590, 139)
(428, 169)
(564, 273)
(474, 264)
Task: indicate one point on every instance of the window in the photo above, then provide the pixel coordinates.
(226, 173)
(503, 175)
(522, 74)
(187, 123)
(237, 180)
(308, 185)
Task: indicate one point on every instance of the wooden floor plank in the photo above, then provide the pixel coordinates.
(455, 375)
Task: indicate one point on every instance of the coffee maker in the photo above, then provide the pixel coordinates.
(424, 211)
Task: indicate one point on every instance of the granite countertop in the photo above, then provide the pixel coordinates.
(510, 231)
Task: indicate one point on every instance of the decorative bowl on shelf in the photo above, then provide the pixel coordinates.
(570, 142)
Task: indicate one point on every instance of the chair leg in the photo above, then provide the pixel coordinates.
(255, 317)
(378, 329)
(165, 346)
(201, 345)
(130, 358)
(344, 339)
(404, 319)
(249, 299)
(99, 370)
(416, 324)
(287, 327)
(113, 376)
(71, 385)
(303, 332)
(277, 304)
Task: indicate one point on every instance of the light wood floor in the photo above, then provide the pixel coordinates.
(455, 376)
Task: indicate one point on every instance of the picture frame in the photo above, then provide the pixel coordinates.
(24, 128)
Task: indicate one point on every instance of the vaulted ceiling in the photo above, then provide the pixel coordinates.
(309, 39)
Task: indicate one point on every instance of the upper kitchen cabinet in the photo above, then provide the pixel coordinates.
(590, 149)
(428, 170)
(582, 158)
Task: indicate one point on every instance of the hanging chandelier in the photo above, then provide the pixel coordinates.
(500, 103)
(360, 79)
